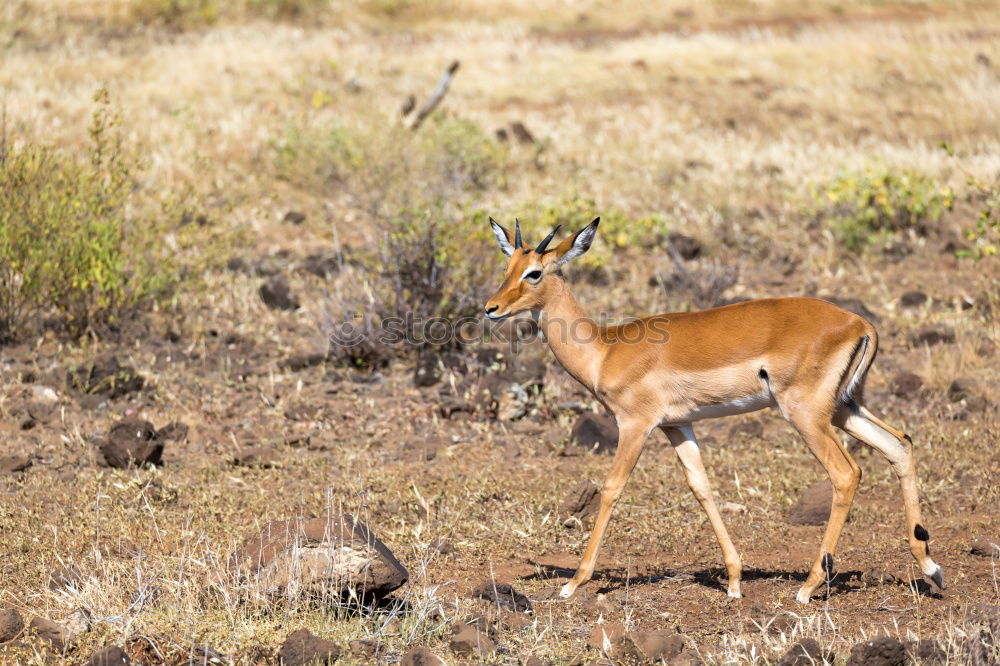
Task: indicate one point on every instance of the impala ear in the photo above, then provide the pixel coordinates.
(577, 244)
(504, 239)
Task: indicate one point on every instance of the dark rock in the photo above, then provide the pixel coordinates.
(521, 132)
(927, 652)
(469, 641)
(302, 648)
(11, 624)
(874, 576)
(581, 503)
(687, 247)
(322, 265)
(932, 335)
(175, 431)
(913, 299)
(237, 264)
(263, 457)
(132, 443)
(420, 656)
(428, 369)
(752, 429)
(109, 656)
(813, 507)
(961, 389)
(986, 548)
(604, 636)
(532, 660)
(528, 372)
(503, 595)
(277, 295)
(648, 647)
(363, 650)
(906, 385)
(443, 547)
(50, 631)
(806, 652)
(879, 651)
(856, 306)
(297, 362)
(294, 217)
(63, 577)
(597, 432)
(318, 557)
(105, 376)
(11, 463)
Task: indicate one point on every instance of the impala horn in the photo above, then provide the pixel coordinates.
(517, 234)
(545, 241)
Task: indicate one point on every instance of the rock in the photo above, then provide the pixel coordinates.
(428, 369)
(986, 548)
(747, 430)
(302, 648)
(362, 650)
(687, 247)
(913, 299)
(318, 558)
(647, 647)
(297, 362)
(420, 656)
(927, 652)
(806, 652)
(44, 395)
(503, 595)
(604, 636)
(78, 622)
(11, 624)
(906, 385)
(726, 506)
(11, 463)
(109, 656)
(294, 217)
(277, 295)
(469, 641)
(63, 577)
(512, 403)
(521, 132)
(874, 576)
(856, 306)
(106, 376)
(50, 631)
(322, 265)
(132, 443)
(597, 432)
(263, 457)
(932, 335)
(581, 503)
(531, 660)
(879, 651)
(443, 547)
(813, 507)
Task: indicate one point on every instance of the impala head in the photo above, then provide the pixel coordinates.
(532, 271)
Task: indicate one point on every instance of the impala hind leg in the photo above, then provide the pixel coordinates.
(897, 447)
(631, 437)
(845, 475)
(684, 443)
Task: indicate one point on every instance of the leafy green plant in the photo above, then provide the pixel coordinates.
(862, 208)
(68, 247)
(984, 236)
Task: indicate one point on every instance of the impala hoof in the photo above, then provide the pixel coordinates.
(803, 596)
(567, 591)
(734, 594)
(938, 578)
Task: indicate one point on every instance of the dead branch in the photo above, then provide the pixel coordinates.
(428, 107)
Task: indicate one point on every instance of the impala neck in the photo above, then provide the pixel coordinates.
(572, 336)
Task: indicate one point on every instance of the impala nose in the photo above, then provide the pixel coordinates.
(491, 309)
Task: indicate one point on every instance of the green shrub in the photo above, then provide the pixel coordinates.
(68, 248)
(862, 208)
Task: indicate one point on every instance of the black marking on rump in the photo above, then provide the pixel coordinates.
(763, 374)
(920, 533)
(828, 564)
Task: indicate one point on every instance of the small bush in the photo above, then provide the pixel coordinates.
(68, 247)
(863, 208)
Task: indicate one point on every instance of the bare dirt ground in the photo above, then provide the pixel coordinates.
(719, 117)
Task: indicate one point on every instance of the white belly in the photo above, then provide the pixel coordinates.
(750, 403)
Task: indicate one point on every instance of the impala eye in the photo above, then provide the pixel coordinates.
(534, 276)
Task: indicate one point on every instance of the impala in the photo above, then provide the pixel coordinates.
(804, 356)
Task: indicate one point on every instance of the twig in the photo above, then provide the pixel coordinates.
(442, 88)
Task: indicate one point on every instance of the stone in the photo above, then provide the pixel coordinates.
(647, 647)
(503, 595)
(317, 557)
(175, 431)
(294, 217)
(297, 362)
(927, 652)
(263, 457)
(132, 443)
(428, 369)
(935, 334)
(50, 631)
(687, 247)
(12, 463)
(813, 506)
(277, 294)
(420, 656)
(913, 299)
(874, 576)
(806, 652)
(106, 376)
(78, 622)
(581, 503)
(604, 636)
(11, 624)
(109, 656)
(469, 641)
(906, 385)
(986, 548)
(597, 432)
(302, 648)
(65, 576)
(879, 651)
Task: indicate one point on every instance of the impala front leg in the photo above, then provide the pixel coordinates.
(631, 437)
